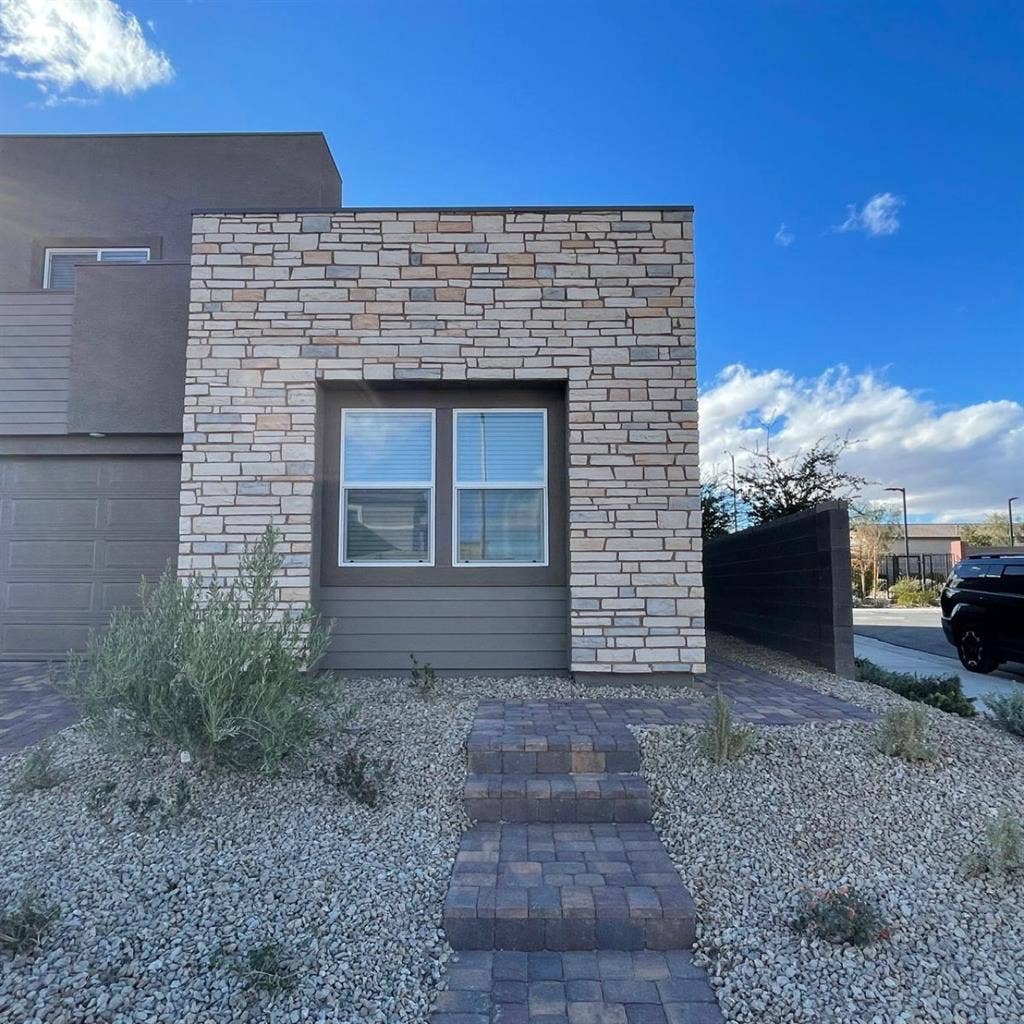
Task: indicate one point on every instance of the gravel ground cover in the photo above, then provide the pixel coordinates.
(159, 907)
(812, 807)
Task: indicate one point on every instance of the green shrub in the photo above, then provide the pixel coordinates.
(1004, 857)
(1007, 711)
(265, 968)
(907, 592)
(841, 916)
(22, 930)
(942, 692)
(719, 740)
(218, 669)
(360, 777)
(902, 733)
(424, 679)
(39, 770)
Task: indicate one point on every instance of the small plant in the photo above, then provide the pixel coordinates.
(217, 669)
(1007, 711)
(1004, 857)
(359, 777)
(100, 796)
(719, 740)
(39, 770)
(902, 733)
(909, 592)
(840, 916)
(22, 930)
(942, 692)
(265, 968)
(424, 679)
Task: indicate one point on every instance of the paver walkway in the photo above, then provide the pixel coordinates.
(564, 904)
(30, 707)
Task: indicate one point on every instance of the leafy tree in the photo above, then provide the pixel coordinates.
(993, 532)
(715, 510)
(773, 486)
(872, 531)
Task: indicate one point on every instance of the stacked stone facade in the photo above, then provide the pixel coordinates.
(600, 299)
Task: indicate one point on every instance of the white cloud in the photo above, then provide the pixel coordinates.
(62, 45)
(876, 218)
(957, 464)
(784, 236)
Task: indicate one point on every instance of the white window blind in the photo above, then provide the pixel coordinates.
(60, 264)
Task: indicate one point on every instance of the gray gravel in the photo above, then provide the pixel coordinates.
(157, 915)
(814, 807)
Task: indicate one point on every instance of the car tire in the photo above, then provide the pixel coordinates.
(975, 651)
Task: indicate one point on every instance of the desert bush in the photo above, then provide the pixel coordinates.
(217, 669)
(841, 916)
(902, 733)
(22, 929)
(1004, 856)
(907, 592)
(424, 679)
(266, 968)
(1007, 711)
(719, 740)
(39, 769)
(360, 777)
(942, 692)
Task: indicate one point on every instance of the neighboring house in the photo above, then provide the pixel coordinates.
(925, 539)
(475, 430)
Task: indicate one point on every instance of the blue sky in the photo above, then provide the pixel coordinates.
(761, 115)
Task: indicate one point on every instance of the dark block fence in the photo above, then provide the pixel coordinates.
(786, 585)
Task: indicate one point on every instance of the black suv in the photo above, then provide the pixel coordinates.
(983, 610)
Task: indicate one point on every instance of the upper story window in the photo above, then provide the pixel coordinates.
(387, 487)
(500, 487)
(59, 266)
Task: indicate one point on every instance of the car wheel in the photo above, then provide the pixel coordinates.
(975, 651)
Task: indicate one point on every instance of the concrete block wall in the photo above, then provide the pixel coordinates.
(600, 299)
(786, 585)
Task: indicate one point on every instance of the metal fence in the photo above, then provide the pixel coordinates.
(932, 567)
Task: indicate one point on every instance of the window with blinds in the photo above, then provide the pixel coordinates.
(59, 265)
(500, 487)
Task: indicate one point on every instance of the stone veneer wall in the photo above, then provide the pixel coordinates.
(601, 299)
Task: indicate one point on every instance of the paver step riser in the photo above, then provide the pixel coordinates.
(535, 934)
(527, 810)
(484, 761)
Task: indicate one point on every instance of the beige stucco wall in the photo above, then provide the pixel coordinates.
(602, 300)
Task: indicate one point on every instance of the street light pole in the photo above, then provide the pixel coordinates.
(906, 527)
(735, 513)
(1009, 515)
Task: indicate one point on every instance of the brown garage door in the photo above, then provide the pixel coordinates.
(76, 535)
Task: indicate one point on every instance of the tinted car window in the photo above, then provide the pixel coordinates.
(976, 575)
(1013, 579)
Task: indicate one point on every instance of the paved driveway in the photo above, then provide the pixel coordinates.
(911, 640)
(30, 707)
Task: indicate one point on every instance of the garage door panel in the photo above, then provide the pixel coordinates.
(45, 595)
(55, 555)
(45, 514)
(77, 534)
(138, 513)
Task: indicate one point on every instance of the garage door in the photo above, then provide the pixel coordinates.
(76, 535)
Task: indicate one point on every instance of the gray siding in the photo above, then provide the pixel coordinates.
(35, 345)
(76, 535)
(455, 629)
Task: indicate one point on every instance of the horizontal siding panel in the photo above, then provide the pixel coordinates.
(35, 360)
(455, 629)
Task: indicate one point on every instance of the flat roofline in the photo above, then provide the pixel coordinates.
(153, 135)
(589, 208)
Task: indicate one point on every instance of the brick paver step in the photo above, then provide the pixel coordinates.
(566, 887)
(602, 987)
(558, 797)
(527, 753)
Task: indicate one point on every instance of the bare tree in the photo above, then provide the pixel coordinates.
(872, 531)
